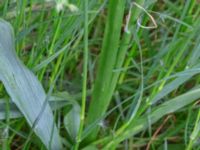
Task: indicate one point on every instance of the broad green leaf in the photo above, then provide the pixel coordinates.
(72, 121)
(14, 112)
(26, 91)
(72, 118)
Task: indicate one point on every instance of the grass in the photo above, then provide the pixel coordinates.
(116, 74)
(103, 90)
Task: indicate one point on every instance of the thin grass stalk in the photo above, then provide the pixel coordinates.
(85, 70)
(51, 49)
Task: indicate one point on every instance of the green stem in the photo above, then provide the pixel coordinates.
(103, 92)
(85, 70)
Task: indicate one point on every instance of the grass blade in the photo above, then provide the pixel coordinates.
(102, 93)
(160, 111)
(25, 90)
(55, 103)
(72, 121)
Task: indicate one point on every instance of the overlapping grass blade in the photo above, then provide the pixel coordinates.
(25, 90)
(168, 107)
(72, 121)
(173, 85)
(14, 112)
(102, 92)
(195, 133)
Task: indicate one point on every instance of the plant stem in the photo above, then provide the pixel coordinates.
(103, 92)
(85, 70)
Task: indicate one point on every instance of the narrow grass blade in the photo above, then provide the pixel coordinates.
(195, 133)
(25, 90)
(157, 113)
(172, 86)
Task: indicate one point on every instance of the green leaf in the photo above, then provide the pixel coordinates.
(103, 92)
(14, 112)
(25, 90)
(72, 121)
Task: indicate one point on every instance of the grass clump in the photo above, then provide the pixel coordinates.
(117, 74)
